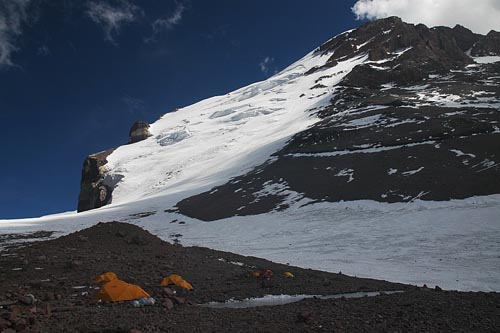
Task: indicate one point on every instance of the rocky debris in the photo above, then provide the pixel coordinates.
(95, 187)
(74, 309)
(64, 300)
(304, 316)
(139, 131)
(64, 290)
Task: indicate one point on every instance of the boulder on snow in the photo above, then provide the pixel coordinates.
(138, 132)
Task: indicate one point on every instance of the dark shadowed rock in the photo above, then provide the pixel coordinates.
(95, 187)
(138, 132)
(488, 45)
(464, 38)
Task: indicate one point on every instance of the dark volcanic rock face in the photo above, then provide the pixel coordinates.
(488, 45)
(422, 124)
(95, 188)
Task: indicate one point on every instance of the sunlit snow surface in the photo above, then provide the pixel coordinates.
(455, 245)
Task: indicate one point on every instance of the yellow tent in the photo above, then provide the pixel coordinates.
(115, 290)
(177, 280)
(118, 290)
(106, 277)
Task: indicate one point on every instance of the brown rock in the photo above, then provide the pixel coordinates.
(179, 300)
(7, 303)
(76, 263)
(9, 330)
(4, 324)
(167, 303)
(14, 314)
(27, 300)
(83, 238)
(134, 330)
(168, 292)
(304, 315)
(48, 310)
(49, 296)
(20, 325)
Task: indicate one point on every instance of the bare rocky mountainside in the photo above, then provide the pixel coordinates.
(419, 120)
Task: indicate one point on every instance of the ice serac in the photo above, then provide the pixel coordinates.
(418, 119)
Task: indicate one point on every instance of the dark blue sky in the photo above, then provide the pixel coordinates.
(75, 75)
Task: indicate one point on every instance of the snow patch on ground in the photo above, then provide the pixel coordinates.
(486, 60)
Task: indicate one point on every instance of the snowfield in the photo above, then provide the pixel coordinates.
(455, 244)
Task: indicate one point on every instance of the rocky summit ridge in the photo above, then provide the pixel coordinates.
(416, 116)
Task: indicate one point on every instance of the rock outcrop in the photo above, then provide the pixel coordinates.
(488, 45)
(95, 187)
(139, 132)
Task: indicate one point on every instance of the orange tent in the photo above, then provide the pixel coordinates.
(177, 280)
(106, 277)
(118, 290)
(115, 290)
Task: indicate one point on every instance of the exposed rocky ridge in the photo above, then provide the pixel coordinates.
(422, 124)
(96, 186)
(488, 45)
(95, 191)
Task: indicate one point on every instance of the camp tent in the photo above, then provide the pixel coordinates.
(177, 280)
(115, 290)
(118, 290)
(106, 277)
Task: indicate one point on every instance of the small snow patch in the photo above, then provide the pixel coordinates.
(461, 153)
(346, 173)
(412, 172)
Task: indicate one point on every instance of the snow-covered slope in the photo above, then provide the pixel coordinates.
(225, 143)
(207, 143)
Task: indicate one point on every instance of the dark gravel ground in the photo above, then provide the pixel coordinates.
(50, 270)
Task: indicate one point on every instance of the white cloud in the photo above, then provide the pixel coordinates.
(113, 15)
(168, 23)
(479, 16)
(13, 15)
(265, 64)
